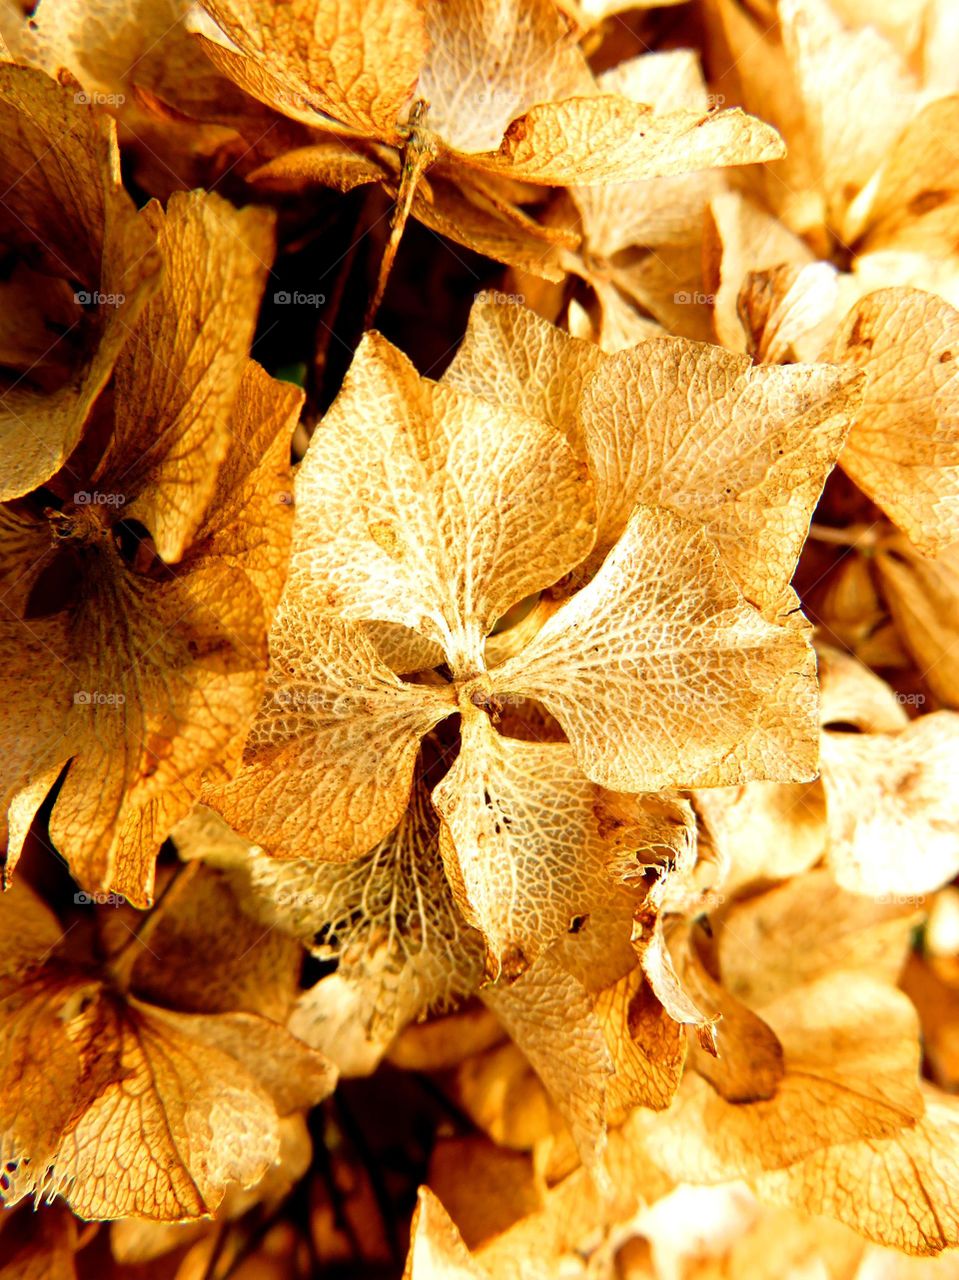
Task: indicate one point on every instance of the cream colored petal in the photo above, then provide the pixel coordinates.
(897, 1191)
(923, 597)
(605, 138)
(904, 449)
(551, 1019)
(660, 210)
(851, 694)
(892, 809)
(659, 666)
(790, 312)
(831, 63)
(656, 962)
(490, 61)
(437, 1251)
(620, 324)
(387, 918)
(747, 238)
(355, 62)
(774, 941)
(851, 1068)
(423, 505)
(527, 839)
(329, 760)
(742, 449)
(514, 358)
(915, 203)
(765, 831)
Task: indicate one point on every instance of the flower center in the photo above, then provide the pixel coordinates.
(477, 691)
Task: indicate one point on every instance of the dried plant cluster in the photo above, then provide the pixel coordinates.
(479, 592)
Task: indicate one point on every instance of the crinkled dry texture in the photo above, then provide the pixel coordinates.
(607, 138)
(174, 1121)
(506, 86)
(642, 241)
(131, 730)
(892, 811)
(647, 1047)
(65, 213)
(329, 760)
(898, 1191)
(851, 1061)
(659, 668)
(403, 948)
(526, 839)
(744, 450)
(599, 952)
(490, 62)
(125, 1108)
(550, 1016)
(423, 505)
(660, 211)
(516, 359)
(387, 918)
(503, 91)
(904, 449)
(245, 528)
(661, 836)
(182, 367)
(141, 678)
(137, 50)
(355, 62)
